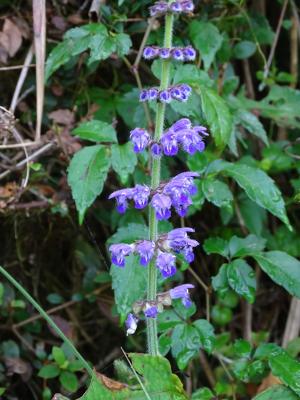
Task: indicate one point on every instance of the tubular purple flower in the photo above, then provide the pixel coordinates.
(140, 139)
(150, 52)
(191, 142)
(182, 292)
(122, 196)
(150, 311)
(146, 250)
(164, 53)
(156, 150)
(169, 144)
(176, 93)
(164, 96)
(189, 53)
(185, 88)
(119, 252)
(131, 324)
(153, 94)
(187, 6)
(140, 196)
(165, 262)
(144, 95)
(181, 124)
(201, 130)
(162, 206)
(176, 7)
(177, 54)
(178, 241)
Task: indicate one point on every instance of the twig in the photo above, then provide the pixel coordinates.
(207, 369)
(274, 44)
(295, 13)
(21, 79)
(12, 67)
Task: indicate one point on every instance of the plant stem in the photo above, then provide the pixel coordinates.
(155, 180)
(48, 319)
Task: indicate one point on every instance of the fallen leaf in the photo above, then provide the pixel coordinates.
(9, 190)
(270, 380)
(18, 366)
(62, 117)
(110, 383)
(11, 38)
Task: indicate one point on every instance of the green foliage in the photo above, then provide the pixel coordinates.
(277, 392)
(241, 278)
(96, 131)
(86, 176)
(123, 160)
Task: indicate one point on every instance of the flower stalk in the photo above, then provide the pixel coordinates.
(152, 339)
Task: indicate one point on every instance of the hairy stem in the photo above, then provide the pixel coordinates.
(155, 180)
(48, 319)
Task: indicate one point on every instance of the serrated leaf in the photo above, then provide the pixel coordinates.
(123, 160)
(217, 115)
(207, 39)
(277, 392)
(241, 247)
(252, 124)
(282, 269)
(203, 394)
(129, 284)
(206, 333)
(69, 381)
(186, 342)
(259, 187)
(241, 278)
(217, 192)
(86, 176)
(129, 233)
(220, 281)
(123, 44)
(216, 245)
(96, 131)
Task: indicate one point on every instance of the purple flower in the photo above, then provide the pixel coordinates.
(144, 95)
(176, 7)
(188, 6)
(140, 139)
(164, 53)
(152, 94)
(160, 7)
(191, 142)
(181, 124)
(182, 292)
(150, 52)
(122, 196)
(201, 130)
(176, 93)
(164, 96)
(186, 89)
(150, 311)
(156, 149)
(178, 241)
(131, 324)
(165, 262)
(140, 196)
(177, 54)
(169, 144)
(189, 53)
(145, 249)
(119, 252)
(162, 206)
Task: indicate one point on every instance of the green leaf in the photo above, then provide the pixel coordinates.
(49, 371)
(217, 115)
(129, 284)
(277, 392)
(96, 131)
(207, 39)
(250, 122)
(58, 355)
(259, 188)
(217, 192)
(220, 281)
(123, 160)
(244, 49)
(203, 394)
(216, 245)
(69, 381)
(129, 233)
(60, 55)
(123, 44)
(207, 335)
(242, 348)
(253, 215)
(242, 247)
(282, 268)
(241, 278)
(287, 369)
(186, 342)
(86, 176)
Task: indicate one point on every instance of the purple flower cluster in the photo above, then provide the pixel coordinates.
(176, 53)
(178, 92)
(180, 6)
(151, 309)
(181, 134)
(176, 240)
(176, 193)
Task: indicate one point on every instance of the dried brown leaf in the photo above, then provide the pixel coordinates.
(11, 37)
